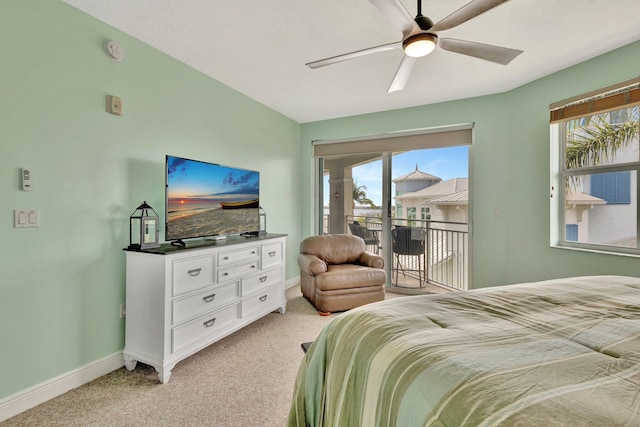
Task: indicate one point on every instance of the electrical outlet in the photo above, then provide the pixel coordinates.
(123, 311)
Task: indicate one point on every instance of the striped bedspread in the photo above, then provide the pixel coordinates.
(555, 353)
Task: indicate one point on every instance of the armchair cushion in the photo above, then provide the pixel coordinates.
(350, 276)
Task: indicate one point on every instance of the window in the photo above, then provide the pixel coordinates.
(624, 115)
(612, 187)
(572, 233)
(411, 214)
(425, 214)
(596, 170)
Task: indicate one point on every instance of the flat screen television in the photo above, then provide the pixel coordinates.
(207, 199)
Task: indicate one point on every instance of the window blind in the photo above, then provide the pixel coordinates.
(621, 95)
(400, 141)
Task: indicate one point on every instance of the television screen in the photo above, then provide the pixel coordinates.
(206, 199)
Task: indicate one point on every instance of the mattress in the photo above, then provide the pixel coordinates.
(555, 353)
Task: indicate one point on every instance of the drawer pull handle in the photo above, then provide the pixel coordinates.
(194, 272)
(209, 323)
(253, 266)
(225, 274)
(263, 298)
(209, 298)
(263, 278)
(253, 252)
(226, 258)
(272, 254)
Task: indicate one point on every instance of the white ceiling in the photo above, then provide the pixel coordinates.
(259, 47)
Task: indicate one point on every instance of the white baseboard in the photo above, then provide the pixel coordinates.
(40, 393)
(292, 282)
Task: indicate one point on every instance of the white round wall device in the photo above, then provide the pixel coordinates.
(114, 50)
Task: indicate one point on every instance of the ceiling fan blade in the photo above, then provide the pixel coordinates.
(465, 13)
(353, 55)
(497, 54)
(398, 14)
(402, 74)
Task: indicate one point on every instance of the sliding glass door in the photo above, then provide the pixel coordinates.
(410, 206)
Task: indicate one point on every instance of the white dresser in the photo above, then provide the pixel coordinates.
(180, 300)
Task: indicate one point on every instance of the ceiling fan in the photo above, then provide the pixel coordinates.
(420, 37)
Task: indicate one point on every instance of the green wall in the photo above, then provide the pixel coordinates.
(62, 283)
(509, 169)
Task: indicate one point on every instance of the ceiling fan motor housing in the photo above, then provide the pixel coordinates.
(423, 22)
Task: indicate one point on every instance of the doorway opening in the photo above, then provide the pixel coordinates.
(410, 207)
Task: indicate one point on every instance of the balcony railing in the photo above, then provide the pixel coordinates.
(434, 253)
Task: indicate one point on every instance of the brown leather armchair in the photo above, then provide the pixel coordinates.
(338, 274)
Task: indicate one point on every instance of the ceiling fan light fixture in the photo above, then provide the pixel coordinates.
(419, 45)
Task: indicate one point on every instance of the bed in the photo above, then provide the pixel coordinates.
(555, 353)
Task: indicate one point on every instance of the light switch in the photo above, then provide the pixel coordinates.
(33, 218)
(26, 218)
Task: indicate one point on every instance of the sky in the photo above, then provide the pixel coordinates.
(446, 163)
(193, 179)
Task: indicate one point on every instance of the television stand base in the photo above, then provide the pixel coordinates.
(179, 242)
(250, 234)
(217, 237)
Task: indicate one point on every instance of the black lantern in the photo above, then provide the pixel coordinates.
(143, 228)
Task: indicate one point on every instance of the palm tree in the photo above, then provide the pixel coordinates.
(594, 141)
(598, 140)
(360, 195)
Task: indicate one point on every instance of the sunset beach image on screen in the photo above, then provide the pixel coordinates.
(206, 199)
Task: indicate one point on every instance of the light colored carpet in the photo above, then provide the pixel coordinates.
(244, 380)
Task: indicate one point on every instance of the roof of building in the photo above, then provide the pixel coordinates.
(440, 189)
(577, 198)
(455, 192)
(417, 175)
(457, 198)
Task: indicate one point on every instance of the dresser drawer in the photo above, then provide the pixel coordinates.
(266, 278)
(239, 255)
(261, 301)
(230, 273)
(191, 306)
(203, 326)
(271, 255)
(192, 273)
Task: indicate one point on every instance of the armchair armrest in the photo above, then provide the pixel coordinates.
(311, 264)
(371, 260)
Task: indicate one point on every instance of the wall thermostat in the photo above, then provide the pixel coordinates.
(114, 50)
(26, 179)
(114, 105)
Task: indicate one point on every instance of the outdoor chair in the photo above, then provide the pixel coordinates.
(370, 237)
(408, 242)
